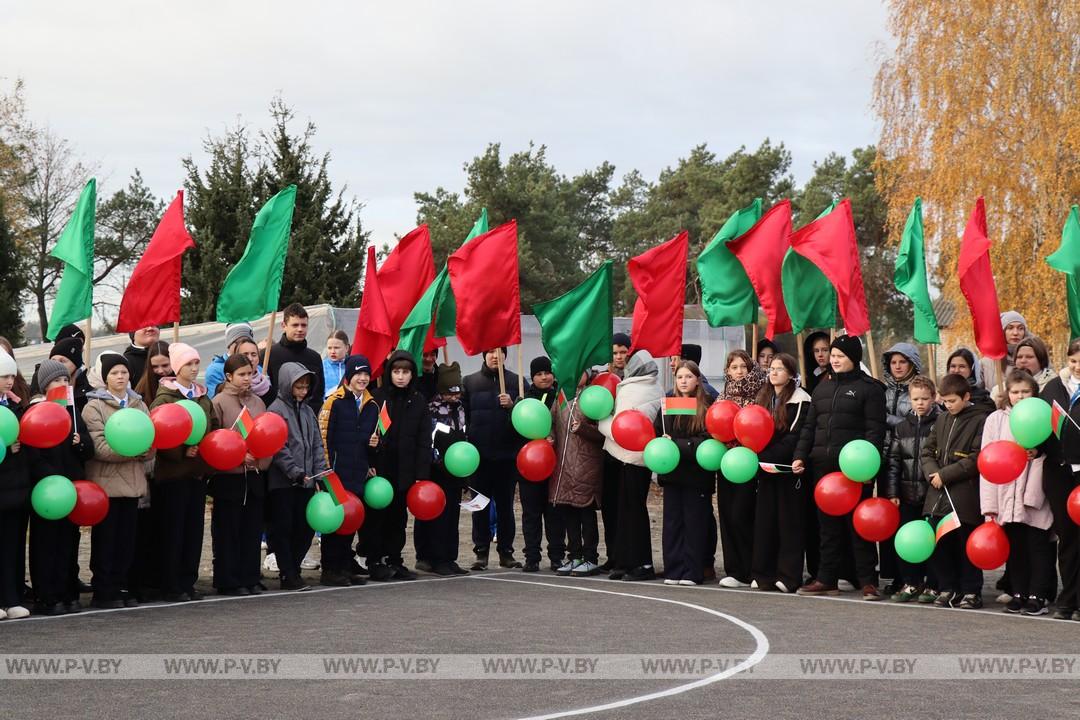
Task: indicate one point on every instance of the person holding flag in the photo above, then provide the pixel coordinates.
(236, 523)
(949, 460)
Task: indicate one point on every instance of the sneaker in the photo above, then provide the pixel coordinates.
(732, 582)
(329, 578)
(617, 574)
(71, 607)
(844, 586)
(3, 614)
(17, 612)
(50, 609)
(870, 593)
(256, 589)
(100, 604)
(817, 588)
(1003, 599)
(309, 562)
(944, 599)
(781, 586)
(1035, 606)
(195, 594)
(973, 601)
(1064, 613)
(688, 583)
(402, 573)
(270, 563)
(179, 597)
(907, 593)
(927, 597)
(754, 585)
(507, 560)
(890, 588)
(1015, 605)
(424, 566)
(531, 566)
(567, 567)
(380, 572)
(131, 601)
(584, 568)
(671, 581)
(458, 570)
(481, 562)
(642, 573)
(294, 584)
(444, 570)
(554, 565)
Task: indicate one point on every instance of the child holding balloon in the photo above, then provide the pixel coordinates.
(1020, 506)
(51, 541)
(437, 540)
(236, 522)
(14, 493)
(112, 541)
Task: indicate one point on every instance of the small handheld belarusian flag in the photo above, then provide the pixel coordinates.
(332, 483)
(384, 419)
(946, 525)
(244, 423)
(63, 395)
(775, 468)
(561, 399)
(680, 406)
(1058, 416)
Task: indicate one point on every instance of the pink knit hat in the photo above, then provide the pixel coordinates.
(180, 354)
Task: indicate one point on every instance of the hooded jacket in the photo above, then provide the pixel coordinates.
(347, 424)
(404, 452)
(638, 390)
(844, 407)
(117, 475)
(904, 477)
(490, 429)
(1023, 500)
(285, 350)
(579, 447)
(781, 447)
(303, 454)
(174, 464)
(952, 451)
(897, 402)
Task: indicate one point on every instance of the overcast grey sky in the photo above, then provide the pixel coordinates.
(403, 93)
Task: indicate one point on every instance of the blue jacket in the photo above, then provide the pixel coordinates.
(346, 430)
(333, 371)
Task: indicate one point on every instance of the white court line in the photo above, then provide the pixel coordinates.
(760, 650)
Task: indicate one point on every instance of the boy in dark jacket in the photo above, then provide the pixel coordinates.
(905, 484)
(293, 347)
(538, 516)
(403, 456)
(290, 481)
(949, 461)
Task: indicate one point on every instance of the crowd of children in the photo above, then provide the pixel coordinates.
(399, 426)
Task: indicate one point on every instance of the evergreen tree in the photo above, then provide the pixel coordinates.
(12, 281)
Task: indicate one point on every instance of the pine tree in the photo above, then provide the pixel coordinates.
(12, 281)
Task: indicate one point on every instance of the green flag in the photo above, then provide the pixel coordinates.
(75, 248)
(253, 286)
(910, 276)
(727, 297)
(809, 296)
(445, 307)
(575, 328)
(1067, 259)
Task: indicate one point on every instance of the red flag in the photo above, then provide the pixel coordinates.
(374, 336)
(484, 279)
(659, 277)
(761, 251)
(829, 242)
(405, 275)
(977, 284)
(152, 296)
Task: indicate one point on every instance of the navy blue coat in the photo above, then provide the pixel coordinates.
(346, 431)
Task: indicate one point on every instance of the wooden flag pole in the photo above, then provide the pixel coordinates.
(269, 343)
(499, 365)
(800, 341)
(931, 350)
(176, 332)
(1002, 367)
(446, 353)
(875, 367)
(521, 372)
(754, 342)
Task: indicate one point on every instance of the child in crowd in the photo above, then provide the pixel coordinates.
(14, 497)
(538, 516)
(333, 365)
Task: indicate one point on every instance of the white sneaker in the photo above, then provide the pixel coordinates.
(17, 612)
(584, 568)
(753, 585)
(844, 586)
(263, 545)
(690, 583)
(1003, 599)
(568, 567)
(3, 614)
(318, 539)
(669, 581)
(730, 582)
(270, 563)
(781, 586)
(309, 563)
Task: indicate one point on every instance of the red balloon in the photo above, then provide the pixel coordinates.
(720, 420)
(753, 427)
(172, 425)
(223, 449)
(536, 460)
(632, 430)
(876, 519)
(1002, 461)
(606, 380)
(91, 503)
(268, 435)
(1073, 505)
(45, 425)
(988, 546)
(425, 500)
(836, 495)
(354, 515)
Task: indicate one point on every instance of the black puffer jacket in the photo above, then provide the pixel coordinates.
(14, 475)
(688, 473)
(952, 451)
(904, 477)
(490, 429)
(844, 407)
(404, 452)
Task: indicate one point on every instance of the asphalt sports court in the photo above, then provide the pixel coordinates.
(459, 648)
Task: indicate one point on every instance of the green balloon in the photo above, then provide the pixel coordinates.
(739, 465)
(53, 497)
(129, 432)
(532, 419)
(461, 459)
(323, 514)
(9, 426)
(914, 541)
(1030, 422)
(198, 421)
(860, 461)
(710, 454)
(661, 455)
(378, 493)
(596, 402)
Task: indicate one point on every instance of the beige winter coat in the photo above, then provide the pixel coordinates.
(119, 476)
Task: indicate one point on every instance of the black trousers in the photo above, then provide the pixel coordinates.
(497, 479)
(1029, 549)
(888, 560)
(911, 573)
(385, 536)
(50, 559)
(538, 519)
(289, 533)
(12, 554)
(144, 574)
(337, 551)
(952, 569)
(778, 531)
(811, 525)
(839, 541)
(582, 533)
(687, 515)
(609, 502)
(236, 525)
(112, 548)
(736, 503)
(179, 512)
(633, 536)
(1059, 482)
(437, 540)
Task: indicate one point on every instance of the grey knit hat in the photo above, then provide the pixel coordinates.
(48, 371)
(238, 331)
